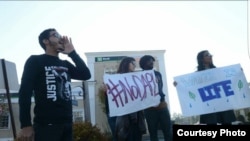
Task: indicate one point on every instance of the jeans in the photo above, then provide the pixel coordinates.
(112, 122)
(159, 118)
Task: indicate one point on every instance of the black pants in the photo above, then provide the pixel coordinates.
(53, 132)
(224, 117)
(156, 118)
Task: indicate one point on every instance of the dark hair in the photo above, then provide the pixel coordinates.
(200, 57)
(124, 65)
(45, 35)
(144, 59)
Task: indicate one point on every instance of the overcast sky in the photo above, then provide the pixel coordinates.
(182, 28)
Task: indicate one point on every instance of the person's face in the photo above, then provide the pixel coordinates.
(56, 41)
(149, 64)
(207, 58)
(132, 66)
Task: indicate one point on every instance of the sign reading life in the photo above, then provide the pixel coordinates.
(213, 90)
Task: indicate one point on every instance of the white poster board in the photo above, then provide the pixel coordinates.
(131, 92)
(213, 90)
(11, 77)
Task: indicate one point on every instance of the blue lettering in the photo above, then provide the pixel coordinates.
(226, 87)
(213, 91)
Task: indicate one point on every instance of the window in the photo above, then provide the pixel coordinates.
(78, 116)
(4, 115)
(4, 121)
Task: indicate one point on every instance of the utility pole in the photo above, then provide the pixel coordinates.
(6, 83)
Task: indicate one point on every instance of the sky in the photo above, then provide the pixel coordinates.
(182, 28)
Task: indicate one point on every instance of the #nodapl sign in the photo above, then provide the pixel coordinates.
(131, 92)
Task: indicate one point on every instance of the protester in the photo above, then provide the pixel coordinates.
(129, 127)
(157, 116)
(204, 60)
(48, 78)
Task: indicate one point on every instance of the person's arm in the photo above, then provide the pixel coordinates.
(162, 103)
(80, 71)
(160, 85)
(25, 94)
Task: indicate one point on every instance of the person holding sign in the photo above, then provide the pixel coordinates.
(129, 127)
(157, 116)
(48, 78)
(204, 60)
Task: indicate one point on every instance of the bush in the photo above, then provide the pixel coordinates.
(85, 131)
